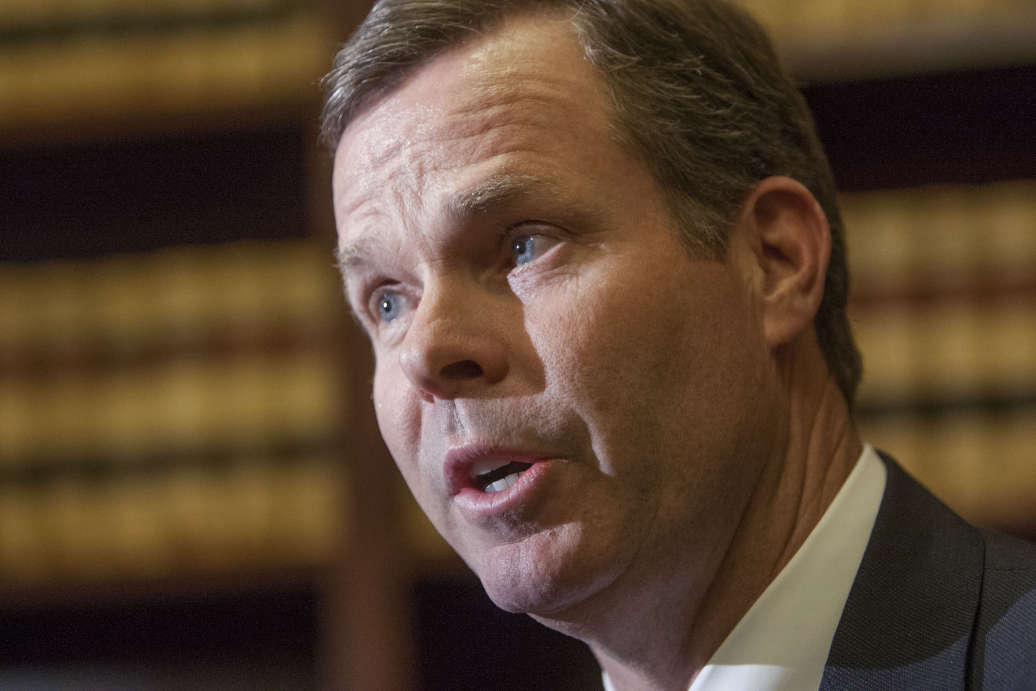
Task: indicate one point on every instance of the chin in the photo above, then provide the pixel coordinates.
(537, 598)
(544, 583)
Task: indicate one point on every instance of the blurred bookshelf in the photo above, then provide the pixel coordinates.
(168, 413)
(173, 484)
(119, 67)
(944, 311)
(838, 40)
(186, 443)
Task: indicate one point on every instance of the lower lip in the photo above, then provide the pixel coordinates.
(478, 504)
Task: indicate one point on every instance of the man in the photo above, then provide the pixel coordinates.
(597, 251)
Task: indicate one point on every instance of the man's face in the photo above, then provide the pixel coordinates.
(572, 399)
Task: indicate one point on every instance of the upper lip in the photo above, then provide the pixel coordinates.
(461, 460)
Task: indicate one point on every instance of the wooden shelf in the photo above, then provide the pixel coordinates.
(197, 78)
(170, 589)
(256, 73)
(931, 48)
(843, 40)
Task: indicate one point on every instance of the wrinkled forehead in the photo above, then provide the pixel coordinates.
(517, 52)
(520, 79)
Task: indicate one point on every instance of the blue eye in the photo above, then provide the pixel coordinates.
(529, 248)
(523, 249)
(388, 307)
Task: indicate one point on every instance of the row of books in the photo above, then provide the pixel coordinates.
(204, 64)
(835, 40)
(179, 295)
(223, 345)
(140, 79)
(948, 352)
(947, 240)
(828, 20)
(944, 311)
(979, 462)
(846, 13)
(783, 12)
(944, 292)
(44, 12)
(190, 521)
(125, 417)
(168, 414)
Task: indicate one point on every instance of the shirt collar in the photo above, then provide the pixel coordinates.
(782, 642)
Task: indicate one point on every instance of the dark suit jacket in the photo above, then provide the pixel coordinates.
(937, 603)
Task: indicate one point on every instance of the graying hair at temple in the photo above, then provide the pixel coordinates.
(697, 92)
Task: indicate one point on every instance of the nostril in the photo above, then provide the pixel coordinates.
(463, 369)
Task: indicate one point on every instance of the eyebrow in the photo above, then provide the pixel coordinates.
(499, 190)
(353, 254)
(496, 191)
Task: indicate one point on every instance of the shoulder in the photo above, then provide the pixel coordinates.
(910, 614)
(937, 601)
(1002, 642)
(1009, 555)
(1006, 625)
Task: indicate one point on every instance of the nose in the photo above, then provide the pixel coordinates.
(454, 346)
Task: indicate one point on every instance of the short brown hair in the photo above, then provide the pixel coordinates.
(698, 95)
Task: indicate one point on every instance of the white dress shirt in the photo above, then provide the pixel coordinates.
(782, 642)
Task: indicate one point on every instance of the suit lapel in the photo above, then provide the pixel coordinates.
(907, 623)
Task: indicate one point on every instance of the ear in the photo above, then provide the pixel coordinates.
(790, 239)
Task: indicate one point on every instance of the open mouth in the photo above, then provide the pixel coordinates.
(496, 476)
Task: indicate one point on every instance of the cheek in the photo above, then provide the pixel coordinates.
(607, 354)
(612, 330)
(396, 419)
(643, 358)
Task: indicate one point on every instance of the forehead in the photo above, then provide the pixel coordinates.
(501, 95)
(535, 55)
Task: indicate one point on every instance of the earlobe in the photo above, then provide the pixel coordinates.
(791, 241)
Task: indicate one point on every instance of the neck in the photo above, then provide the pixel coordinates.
(659, 634)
